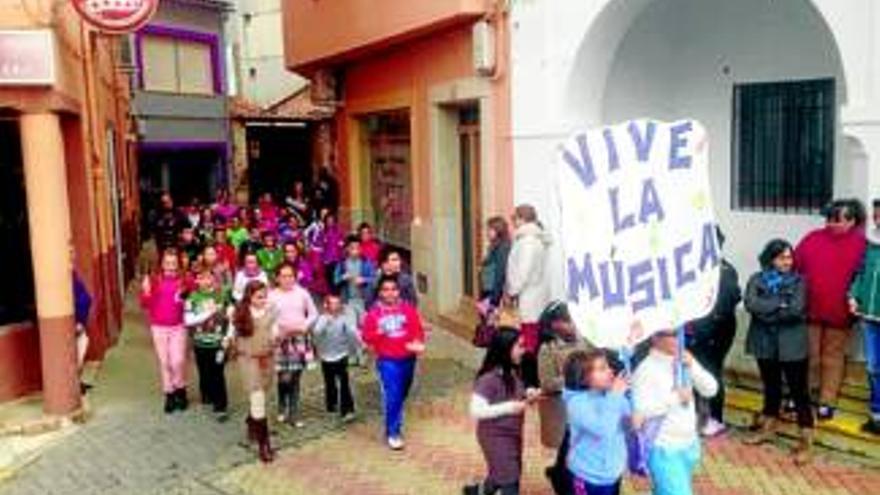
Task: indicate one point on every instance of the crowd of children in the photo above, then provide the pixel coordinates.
(804, 303)
(241, 284)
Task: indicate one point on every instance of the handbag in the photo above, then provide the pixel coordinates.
(484, 333)
(508, 315)
(551, 414)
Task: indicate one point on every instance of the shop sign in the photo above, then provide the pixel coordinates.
(27, 58)
(116, 16)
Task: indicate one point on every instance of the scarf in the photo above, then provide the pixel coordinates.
(776, 280)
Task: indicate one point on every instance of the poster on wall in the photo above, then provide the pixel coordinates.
(392, 198)
(638, 229)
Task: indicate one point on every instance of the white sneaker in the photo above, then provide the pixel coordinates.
(299, 424)
(395, 443)
(713, 428)
(348, 418)
(282, 418)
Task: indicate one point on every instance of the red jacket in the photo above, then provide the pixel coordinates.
(371, 251)
(828, 263)
(388, 330)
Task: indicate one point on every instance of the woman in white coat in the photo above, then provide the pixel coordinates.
(526, 283)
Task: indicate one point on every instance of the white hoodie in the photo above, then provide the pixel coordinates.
(525, 271)
(654, 395)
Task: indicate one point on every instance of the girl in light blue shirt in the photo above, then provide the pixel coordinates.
(598, 414)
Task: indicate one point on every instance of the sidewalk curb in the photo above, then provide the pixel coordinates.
(8, 472)
(31, 453)
(46, 423)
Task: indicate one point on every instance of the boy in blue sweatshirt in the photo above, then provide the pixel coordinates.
(598, 414)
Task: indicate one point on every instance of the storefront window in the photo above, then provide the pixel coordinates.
(17, 292)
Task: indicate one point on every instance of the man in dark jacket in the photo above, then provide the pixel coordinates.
(711, 338)
(168, 224)
(326, 191)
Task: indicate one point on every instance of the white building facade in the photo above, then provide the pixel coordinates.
(257, 45)
(579, 63)
(787, 89)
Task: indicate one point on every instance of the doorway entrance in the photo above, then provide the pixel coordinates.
(469, 174)
(278, 156)
(188, 174)
(16, 297)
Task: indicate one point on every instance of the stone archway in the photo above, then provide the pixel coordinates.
(675, 59)
(672, 59)
(610, 30)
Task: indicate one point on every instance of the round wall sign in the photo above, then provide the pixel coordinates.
(116, 16)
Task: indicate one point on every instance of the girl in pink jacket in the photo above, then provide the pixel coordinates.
(162, 299)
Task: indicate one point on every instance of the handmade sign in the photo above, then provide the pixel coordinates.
(638, 229)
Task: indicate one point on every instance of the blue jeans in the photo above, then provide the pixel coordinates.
(872, 363)
(672, 469)
(396, 376)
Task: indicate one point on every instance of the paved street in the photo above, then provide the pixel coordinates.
(130, 447)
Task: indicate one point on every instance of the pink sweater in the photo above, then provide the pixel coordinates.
(295, 307)
(164, 304)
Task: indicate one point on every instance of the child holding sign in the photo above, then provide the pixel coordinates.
(657, 393)
(598, 413)
(498, 404)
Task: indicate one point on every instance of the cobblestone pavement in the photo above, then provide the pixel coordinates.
(441, 455)
(131, 447)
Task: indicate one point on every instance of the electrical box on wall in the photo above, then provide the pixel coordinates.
(483, 41)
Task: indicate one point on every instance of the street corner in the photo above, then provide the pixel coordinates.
(18, 451)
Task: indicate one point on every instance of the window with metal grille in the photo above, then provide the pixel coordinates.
(783, 145)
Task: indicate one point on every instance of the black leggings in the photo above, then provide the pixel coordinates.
(711, 353)
(797, 377)
(212, 382)
(559, 475)
(528, 368)
(288, 393)
(337, 389)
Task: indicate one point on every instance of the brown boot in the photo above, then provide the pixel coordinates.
(764, 431)
(251, 430)
(262, 430)
(803, 451)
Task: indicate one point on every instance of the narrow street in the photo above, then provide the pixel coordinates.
(130, 447)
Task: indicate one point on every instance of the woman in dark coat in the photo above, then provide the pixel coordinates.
(493, 270)
(778, 339)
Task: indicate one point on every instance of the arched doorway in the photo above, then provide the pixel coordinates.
(766, 80)
(673, 59)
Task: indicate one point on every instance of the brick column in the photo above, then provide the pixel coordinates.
(42, 146)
